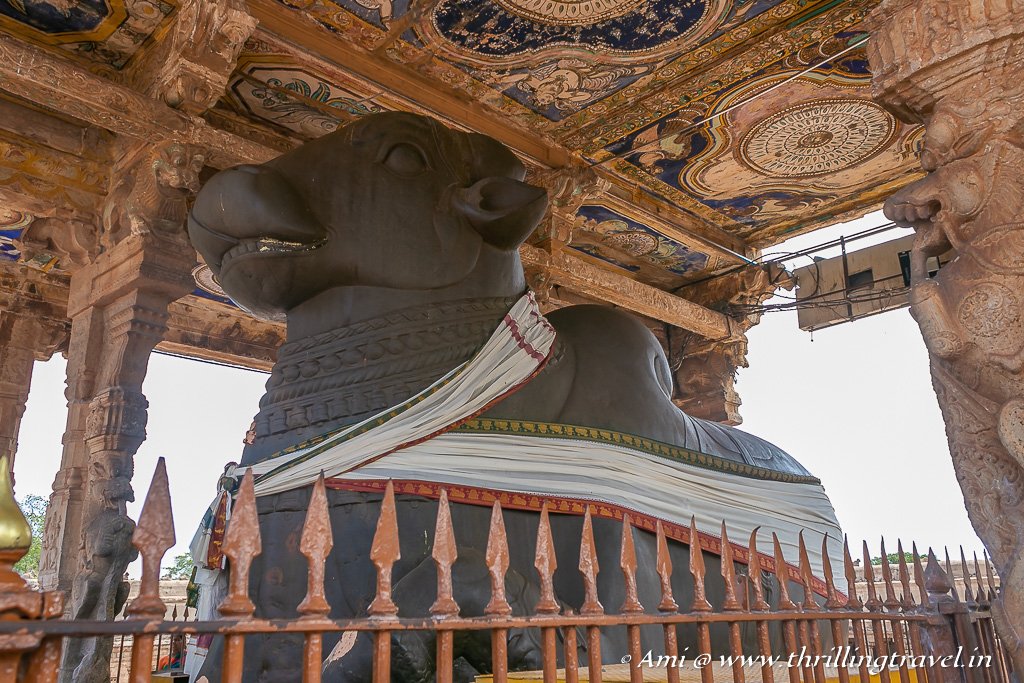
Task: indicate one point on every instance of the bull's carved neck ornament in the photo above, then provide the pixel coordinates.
(341, 376)
(956, 67)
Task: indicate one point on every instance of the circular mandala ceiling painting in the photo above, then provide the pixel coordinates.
(570, 12)
(610, 31)
(817, 138)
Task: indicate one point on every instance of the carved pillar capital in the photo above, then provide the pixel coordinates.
(150, 191)
(568, 188)
(924, 52)
(705, 369)
(957, 67)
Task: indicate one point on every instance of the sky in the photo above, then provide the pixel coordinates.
(853, 403)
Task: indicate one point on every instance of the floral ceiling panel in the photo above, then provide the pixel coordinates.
(276, 89)
(629, 244)
(752, 118)
(104, 32)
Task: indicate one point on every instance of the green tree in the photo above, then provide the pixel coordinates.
(894, 558)
(180, 569)
(34, 509)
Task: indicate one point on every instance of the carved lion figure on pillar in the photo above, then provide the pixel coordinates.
(971, 314)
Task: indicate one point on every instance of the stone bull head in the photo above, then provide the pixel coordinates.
(467, 190)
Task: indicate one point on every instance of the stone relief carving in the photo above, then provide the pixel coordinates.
(151, 195)
(957, 69)
(705, 369)
(69, 237)
(568, 189)
(189, 69)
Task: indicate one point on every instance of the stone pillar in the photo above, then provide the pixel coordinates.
(118, 310)
(705, 369)
(26, 336)
(958, 68)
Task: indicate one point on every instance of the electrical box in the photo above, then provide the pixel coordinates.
(857, 284)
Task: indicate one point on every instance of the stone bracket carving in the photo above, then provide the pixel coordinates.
(189, 70)
(705, 369)
(568, 188)
(151, 192)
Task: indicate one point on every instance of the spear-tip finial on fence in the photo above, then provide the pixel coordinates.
(949, 573)
(919, 576)
(904, 568)
(806, 575)
(833, 601)
(497, 558)
(445, 553)
(384, 552)
(663, 563)
(697, 570)
(981, 595)
(545, 561)
(589, 567)
(891, 602)
(990, 578)
(730, 603)
(936, 581)
(627, 562)
(853, 600)
(872, 603)
(755, 573)
(786, 603)
(241, 544)
(316, 543)
(965, 570)
(153, 536)
(15, 533)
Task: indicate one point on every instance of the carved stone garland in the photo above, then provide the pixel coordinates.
(958, 67)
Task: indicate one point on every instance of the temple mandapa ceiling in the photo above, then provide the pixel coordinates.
(720, 127)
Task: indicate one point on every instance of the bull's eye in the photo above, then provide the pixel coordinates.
(405, 160)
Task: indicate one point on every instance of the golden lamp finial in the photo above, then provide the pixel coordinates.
(15, 533)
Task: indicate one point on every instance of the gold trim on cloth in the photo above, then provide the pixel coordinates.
(556, 430)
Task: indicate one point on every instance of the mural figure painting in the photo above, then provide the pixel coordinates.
(416, 355)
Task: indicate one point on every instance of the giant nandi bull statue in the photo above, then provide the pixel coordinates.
(390, 248)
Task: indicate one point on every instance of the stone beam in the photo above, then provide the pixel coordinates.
(956, 67)
(62, 86)
(578, 275)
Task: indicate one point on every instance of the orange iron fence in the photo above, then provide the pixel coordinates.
(908, 624)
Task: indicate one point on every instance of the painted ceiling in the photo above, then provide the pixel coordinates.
(724, 126)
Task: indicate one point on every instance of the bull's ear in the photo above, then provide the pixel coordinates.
(503, 210)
